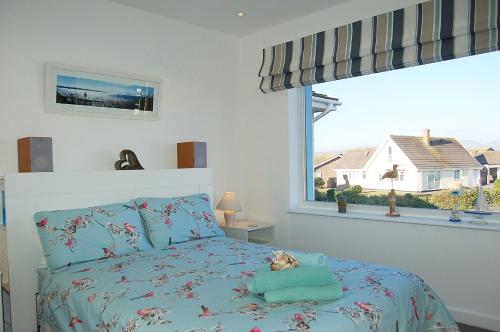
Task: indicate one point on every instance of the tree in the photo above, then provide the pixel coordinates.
(319, 183)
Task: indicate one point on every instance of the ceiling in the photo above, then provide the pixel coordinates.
(221, 14)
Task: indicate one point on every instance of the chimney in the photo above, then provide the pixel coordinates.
(426, 138)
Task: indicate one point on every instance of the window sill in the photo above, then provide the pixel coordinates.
(436, 221)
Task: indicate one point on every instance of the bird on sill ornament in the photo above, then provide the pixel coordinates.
(391, 174)
(282, 261)
(392, 195)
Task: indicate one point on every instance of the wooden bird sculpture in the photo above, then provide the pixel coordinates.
(392, 195)
(391, 174)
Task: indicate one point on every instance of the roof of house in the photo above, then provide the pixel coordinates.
(477, 151)
(489, 158)
(320, 157)
(326, 158)
(355, 158)
(443, 152)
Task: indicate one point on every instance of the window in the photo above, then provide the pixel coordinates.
(402, 117)
(433, 180)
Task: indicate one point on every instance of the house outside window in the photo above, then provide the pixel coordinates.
(369, 142)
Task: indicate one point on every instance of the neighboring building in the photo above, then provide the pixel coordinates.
(424, 163)
(491, 162)
(325, 165)
(350, 169)
(477, 151)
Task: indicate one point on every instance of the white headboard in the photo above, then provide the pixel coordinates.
(28, 193)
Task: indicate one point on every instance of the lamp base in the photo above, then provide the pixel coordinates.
(229, 217)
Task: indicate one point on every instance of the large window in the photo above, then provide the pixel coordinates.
(429, 129)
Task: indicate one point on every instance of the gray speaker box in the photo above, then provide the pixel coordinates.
(35, 154)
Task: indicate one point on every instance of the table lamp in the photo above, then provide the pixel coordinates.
(230, 205)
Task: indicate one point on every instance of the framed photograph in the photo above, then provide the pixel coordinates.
(77, 91)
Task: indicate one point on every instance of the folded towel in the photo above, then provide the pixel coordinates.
(311, 293)
(302, 276)
(316, 259)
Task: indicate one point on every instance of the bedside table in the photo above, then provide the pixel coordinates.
(250, 231)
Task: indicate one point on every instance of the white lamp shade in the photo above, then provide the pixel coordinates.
(229, 202)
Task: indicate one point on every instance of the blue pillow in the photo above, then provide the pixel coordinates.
(178, 219)
(78, 235)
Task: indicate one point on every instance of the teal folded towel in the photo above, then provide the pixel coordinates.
(310, 293)
(316, 259)
(302, 276)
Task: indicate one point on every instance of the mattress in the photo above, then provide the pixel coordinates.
(200, 286)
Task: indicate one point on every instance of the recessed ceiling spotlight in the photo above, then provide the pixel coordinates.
(241, 14)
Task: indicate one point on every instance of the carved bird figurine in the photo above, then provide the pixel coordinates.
(391, 174)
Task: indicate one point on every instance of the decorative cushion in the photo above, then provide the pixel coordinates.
(72, 236)
(178, 219)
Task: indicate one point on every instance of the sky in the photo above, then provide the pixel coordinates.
(103, 86)
(457, 98)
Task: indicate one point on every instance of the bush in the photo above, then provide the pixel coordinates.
(496, 184)
(320, 196)
(319, 182)
(354, 190)
(330, 194)
(444, 200)
(439, 200)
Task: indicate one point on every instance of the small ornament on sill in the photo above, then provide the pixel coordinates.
(481, 208)
(456, 190)
(392, 194)
(342, 203)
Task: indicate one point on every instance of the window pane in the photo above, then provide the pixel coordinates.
(402, 119)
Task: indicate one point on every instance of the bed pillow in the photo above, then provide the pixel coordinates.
(178, 219)
(78, 235)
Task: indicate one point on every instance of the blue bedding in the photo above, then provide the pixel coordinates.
(199, 286)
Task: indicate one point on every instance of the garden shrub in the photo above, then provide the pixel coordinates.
(320, 196)
(319, 182)
(496, 184)
(354, 190)
(330, 194)
(439, 200)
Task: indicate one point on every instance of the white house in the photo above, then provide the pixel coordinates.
(424, 163)
(491, 165)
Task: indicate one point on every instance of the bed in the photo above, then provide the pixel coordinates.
(196, 285)
(200, 286)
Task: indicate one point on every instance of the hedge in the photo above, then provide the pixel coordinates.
(440, 200)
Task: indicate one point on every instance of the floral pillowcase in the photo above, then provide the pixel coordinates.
(179, 219)
(72, 236)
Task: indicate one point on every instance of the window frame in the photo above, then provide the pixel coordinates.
(300, 138)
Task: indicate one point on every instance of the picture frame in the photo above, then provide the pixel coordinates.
(88, 92)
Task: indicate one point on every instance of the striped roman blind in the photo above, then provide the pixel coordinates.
(431, 31)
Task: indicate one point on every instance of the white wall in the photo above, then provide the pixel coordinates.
(461, 264)
(196, 67)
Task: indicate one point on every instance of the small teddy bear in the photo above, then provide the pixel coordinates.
(282, 260)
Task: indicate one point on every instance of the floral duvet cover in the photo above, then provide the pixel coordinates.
(200, 286)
